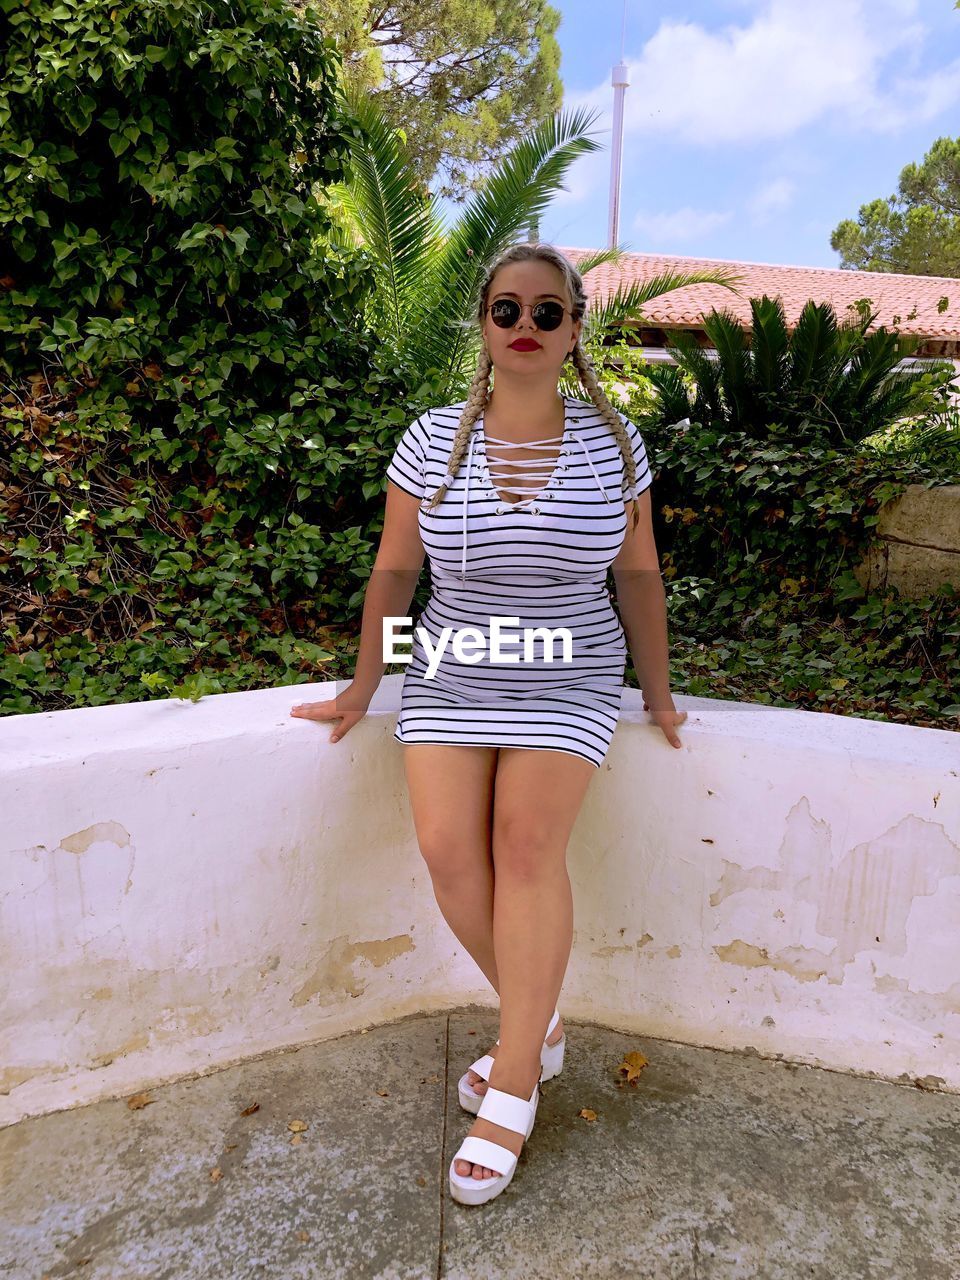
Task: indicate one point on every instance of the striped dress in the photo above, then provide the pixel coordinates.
(537, 560)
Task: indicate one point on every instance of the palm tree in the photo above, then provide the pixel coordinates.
(427, 276)
(831, 379)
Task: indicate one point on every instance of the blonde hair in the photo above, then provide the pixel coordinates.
(479, 393)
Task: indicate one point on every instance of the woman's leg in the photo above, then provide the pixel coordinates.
(451, 791)
(537, 796)
(451, 795)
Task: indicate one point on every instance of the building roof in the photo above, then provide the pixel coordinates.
(906, 303)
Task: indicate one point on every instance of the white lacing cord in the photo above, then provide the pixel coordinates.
(498, 482)
(544, 443)
(466, 490)
(586, 453)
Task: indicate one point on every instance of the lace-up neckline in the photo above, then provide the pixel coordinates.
(528, 504)
(541, 478)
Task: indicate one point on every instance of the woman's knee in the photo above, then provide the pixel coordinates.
(523, 846)
(451, 857)
(451, 791)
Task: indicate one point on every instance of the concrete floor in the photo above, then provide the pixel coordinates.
(716, 1166)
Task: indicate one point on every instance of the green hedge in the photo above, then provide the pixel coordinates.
(758, 540)
(195, 418)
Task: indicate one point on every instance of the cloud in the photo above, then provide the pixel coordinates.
(771, 198)
(911, 100)
(589, 172)
(786, 66)
(662, 230)
(665, 229)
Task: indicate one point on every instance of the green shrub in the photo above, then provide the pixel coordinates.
(824, 380)
(758, 541)
(194, 417)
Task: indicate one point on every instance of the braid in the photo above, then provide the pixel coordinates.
(479, 393)
(476, 402)
(591, 384)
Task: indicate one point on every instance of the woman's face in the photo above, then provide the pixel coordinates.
(527, 283)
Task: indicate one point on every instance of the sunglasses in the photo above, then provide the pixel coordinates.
(505, 313)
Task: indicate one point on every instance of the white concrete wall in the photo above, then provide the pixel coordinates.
(186, 885)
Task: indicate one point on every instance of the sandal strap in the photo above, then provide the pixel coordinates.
(483, 1066)
(553, 1022)
(506, 1110)
(488, 1154)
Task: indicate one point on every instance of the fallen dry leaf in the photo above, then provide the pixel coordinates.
(587, 1113)
(631, 1066)
(139, 1100)
(216, 1174)
(382, 1093)
(297, 1126)
(296, 1140)
(248, 1111)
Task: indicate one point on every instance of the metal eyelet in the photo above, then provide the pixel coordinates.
(500, 511)
(563, 467)
(534, 511)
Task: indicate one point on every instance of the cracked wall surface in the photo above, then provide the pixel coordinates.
(181, 889)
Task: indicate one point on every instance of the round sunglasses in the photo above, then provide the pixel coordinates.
(505, 313)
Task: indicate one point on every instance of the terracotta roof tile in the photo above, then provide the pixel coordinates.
(891, 295)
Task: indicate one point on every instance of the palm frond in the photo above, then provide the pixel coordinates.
(694, 361)
(627, 302)
(812, 346)
(400, 228)
(673, 396)
(770, 346)
(899, 396)
(879, 355)
(598, 257)
(727, 334)
(518, 192)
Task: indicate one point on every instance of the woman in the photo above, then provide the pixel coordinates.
(498, 753)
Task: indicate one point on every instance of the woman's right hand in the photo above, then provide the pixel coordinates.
(348, 707)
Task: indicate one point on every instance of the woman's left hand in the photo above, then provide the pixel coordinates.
(666, 715)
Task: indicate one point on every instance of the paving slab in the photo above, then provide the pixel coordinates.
(713, 1166)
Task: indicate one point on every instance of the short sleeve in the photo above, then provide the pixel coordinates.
(406, 467)
(641, 463)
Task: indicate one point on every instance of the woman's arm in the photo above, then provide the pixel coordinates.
(391, 584)
(389, 591)
(642, 603)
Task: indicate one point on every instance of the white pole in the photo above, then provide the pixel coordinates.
(620, 82)
(619, 79)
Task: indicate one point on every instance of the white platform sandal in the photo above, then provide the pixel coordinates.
(511, 1112)
(551, 1059)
